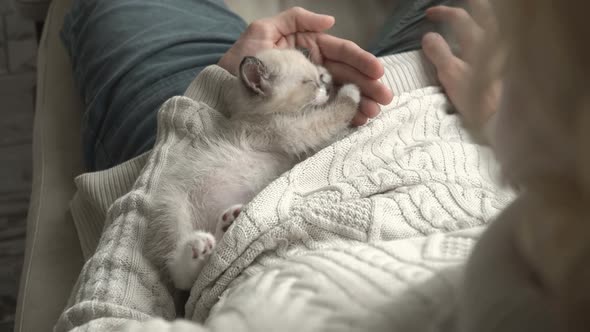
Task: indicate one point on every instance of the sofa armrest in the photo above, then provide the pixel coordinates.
(53, 257)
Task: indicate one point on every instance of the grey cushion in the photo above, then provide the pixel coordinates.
(53, 258)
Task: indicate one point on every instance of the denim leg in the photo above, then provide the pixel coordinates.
(403, 30)
(130, 56)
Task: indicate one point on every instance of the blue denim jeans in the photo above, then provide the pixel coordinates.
(129, 56)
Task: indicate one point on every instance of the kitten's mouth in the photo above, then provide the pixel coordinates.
(322, 96)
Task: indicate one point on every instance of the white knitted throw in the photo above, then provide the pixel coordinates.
(363, 236)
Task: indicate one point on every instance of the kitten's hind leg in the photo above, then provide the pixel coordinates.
(227, 219)
(189, 257)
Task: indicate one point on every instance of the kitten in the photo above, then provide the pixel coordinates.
(531, 269)
(281, 111)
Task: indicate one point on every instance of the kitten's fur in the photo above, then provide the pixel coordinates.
(531, 269)
(280, 112)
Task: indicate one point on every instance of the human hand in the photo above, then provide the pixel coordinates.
(455, 71)
(346, 61)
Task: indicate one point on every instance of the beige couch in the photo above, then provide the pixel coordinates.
(53, 257)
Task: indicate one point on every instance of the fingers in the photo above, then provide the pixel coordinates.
(298, 19)
(347, 62)
(437, 50)
(467, 31)
(452, 72)
(308, 40)
(359, 120)
(374, 92)
(368, 110)
(346, 51)
(455, 73)
(369, 87)
(450, 69)
(325, 47)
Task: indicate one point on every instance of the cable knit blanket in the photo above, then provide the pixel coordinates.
(369, 234)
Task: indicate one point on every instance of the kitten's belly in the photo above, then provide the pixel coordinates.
(234, 175)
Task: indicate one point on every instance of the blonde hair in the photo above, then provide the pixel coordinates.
(541, 137)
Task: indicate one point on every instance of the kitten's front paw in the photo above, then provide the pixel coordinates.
(227, 219)
(189, 258)
(351, 91)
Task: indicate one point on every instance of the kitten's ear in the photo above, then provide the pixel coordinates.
(253, 73)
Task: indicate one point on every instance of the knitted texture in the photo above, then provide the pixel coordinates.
(368, 234)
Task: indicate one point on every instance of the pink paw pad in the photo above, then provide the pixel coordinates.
(205, 250)
(228, 217)
(231, 214)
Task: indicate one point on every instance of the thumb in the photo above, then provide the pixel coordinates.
(298, 19)
(453, 73)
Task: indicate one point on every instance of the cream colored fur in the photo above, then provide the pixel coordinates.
(280, 112)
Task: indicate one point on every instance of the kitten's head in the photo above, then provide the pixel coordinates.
(283, 81)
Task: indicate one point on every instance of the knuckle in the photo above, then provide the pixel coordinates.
(257, 26)
(297, 10)
(348, 46)
(460, 14)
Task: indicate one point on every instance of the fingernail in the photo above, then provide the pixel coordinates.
(434, 34)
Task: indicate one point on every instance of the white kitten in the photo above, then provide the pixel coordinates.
(281, 111)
